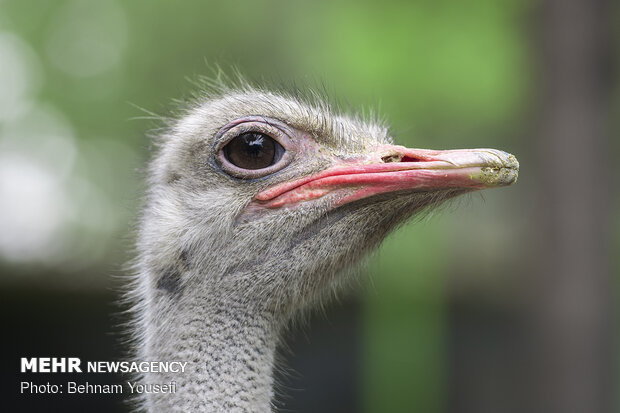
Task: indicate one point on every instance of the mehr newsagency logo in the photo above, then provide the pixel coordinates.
(75, 365)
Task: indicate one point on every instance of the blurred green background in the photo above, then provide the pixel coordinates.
(444, 319)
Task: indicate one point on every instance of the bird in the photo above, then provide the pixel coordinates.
(258, 205)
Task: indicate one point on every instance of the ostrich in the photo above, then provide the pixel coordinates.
(257, 207)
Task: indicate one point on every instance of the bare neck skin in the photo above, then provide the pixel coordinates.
(229, 348)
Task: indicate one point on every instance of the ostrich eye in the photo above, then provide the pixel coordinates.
(254, 147)
(253, 150)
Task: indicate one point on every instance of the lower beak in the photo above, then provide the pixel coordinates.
(391, 168)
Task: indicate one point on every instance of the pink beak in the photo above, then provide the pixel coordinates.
(391, 168)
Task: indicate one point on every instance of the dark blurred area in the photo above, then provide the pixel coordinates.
(503, 301)
(40, 323)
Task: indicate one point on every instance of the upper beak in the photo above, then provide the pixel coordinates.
(391, 168)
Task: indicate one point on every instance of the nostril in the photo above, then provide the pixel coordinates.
(410, 159)
(391, 158)
(399, 158)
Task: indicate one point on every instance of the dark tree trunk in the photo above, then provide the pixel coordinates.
(551, 350)
(572, 312)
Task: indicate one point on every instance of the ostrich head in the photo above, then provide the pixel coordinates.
(258, 204)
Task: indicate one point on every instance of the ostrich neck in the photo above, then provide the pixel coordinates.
(229, 349)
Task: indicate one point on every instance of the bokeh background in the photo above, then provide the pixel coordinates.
(503, 302)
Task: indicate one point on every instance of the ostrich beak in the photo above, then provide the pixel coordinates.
(391, 168)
